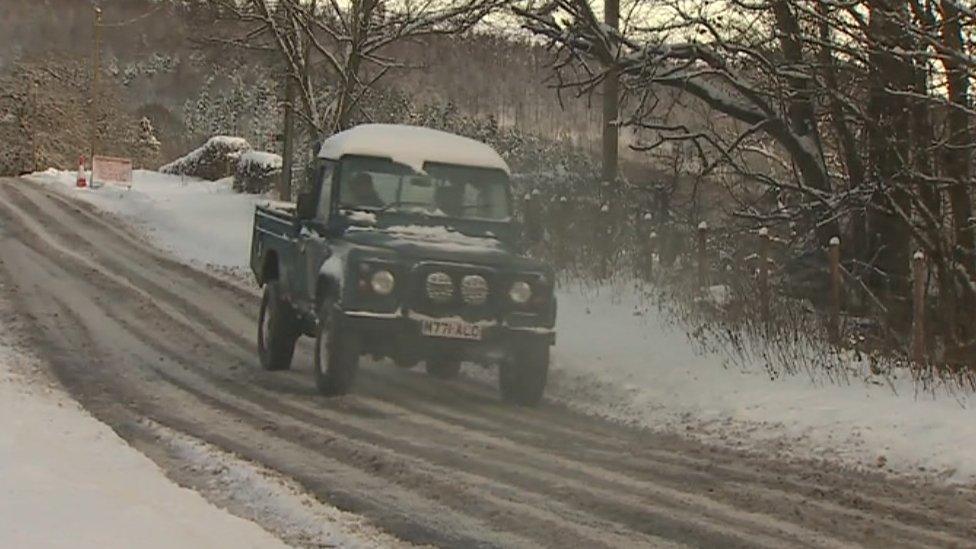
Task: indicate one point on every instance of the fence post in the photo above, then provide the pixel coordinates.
(532, 222)
(605, 249)
(833, 326)
(918, 316)
(651, 249)
(764, 276)
(702, 255)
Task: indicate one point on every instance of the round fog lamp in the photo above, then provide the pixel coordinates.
(521, 292)
(382, 282)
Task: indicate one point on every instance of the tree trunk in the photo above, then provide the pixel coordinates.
(801, 112)
(889, 144)
(611, 96)
(956, 155)
(857, 244)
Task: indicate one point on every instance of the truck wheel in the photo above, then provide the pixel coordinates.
(278, 330)
(336, 354)
(522, 378)
(443, 368)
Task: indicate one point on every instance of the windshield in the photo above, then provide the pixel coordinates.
(461, 192)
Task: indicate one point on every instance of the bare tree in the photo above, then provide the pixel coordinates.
(862, 109)
(345, 46)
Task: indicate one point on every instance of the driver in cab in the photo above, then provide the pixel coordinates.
(363, 192)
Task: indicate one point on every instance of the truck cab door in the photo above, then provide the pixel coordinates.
(316, 247)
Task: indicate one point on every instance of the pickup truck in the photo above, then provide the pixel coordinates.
(403, 246)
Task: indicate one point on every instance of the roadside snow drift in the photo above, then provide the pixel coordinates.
(196, 219)
(67, 480)
(616, 357)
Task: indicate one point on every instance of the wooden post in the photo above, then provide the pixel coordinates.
(833, 326)
(533, 223)
(96, 69)
(559, 224)
(764, 276)
(603, 239)
(651, 248)
(288, 147)
(918, 316)
(702, 255)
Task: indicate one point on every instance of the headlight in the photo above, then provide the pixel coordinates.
(474, 290)
(521, 292)
(382, 282)
(440, 287)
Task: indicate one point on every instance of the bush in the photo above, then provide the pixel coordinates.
(216, 159)
(257, 172)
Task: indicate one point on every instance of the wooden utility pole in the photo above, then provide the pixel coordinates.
(611, 94)
(96, 69)
(284, 183)
(288, 132)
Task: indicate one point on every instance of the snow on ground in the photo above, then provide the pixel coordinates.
(282, 504)
(199, 220)
(636, 368)
(67, 480)
(617, 358)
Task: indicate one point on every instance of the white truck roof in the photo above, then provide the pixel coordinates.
(412, 146)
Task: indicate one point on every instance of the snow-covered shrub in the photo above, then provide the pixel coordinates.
(216, 159)
(257, 172)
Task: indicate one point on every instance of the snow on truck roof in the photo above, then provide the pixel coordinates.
(412, 146)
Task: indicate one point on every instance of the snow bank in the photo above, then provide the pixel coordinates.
(617, 357)
(69, 481)
(198, 220)
(298, 517)
(412, 146)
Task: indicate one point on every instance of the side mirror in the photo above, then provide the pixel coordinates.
(305, 207)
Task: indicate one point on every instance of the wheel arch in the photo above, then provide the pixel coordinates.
(326, 287)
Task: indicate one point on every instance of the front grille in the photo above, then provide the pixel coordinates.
(444, 289)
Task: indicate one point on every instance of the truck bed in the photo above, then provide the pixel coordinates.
(274, 235)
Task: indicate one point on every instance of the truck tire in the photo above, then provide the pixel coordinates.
(336, 354)
(522, 378)
(278, 330)
(443, 368)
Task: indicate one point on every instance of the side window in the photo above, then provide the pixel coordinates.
(326, 172)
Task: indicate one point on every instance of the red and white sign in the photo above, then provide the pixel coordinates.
(107, 169)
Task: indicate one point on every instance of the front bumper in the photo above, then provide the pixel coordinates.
(398, 335)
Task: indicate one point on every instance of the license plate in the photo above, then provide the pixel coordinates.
(453, 329)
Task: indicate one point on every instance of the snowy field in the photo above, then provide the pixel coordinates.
(616, 358)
